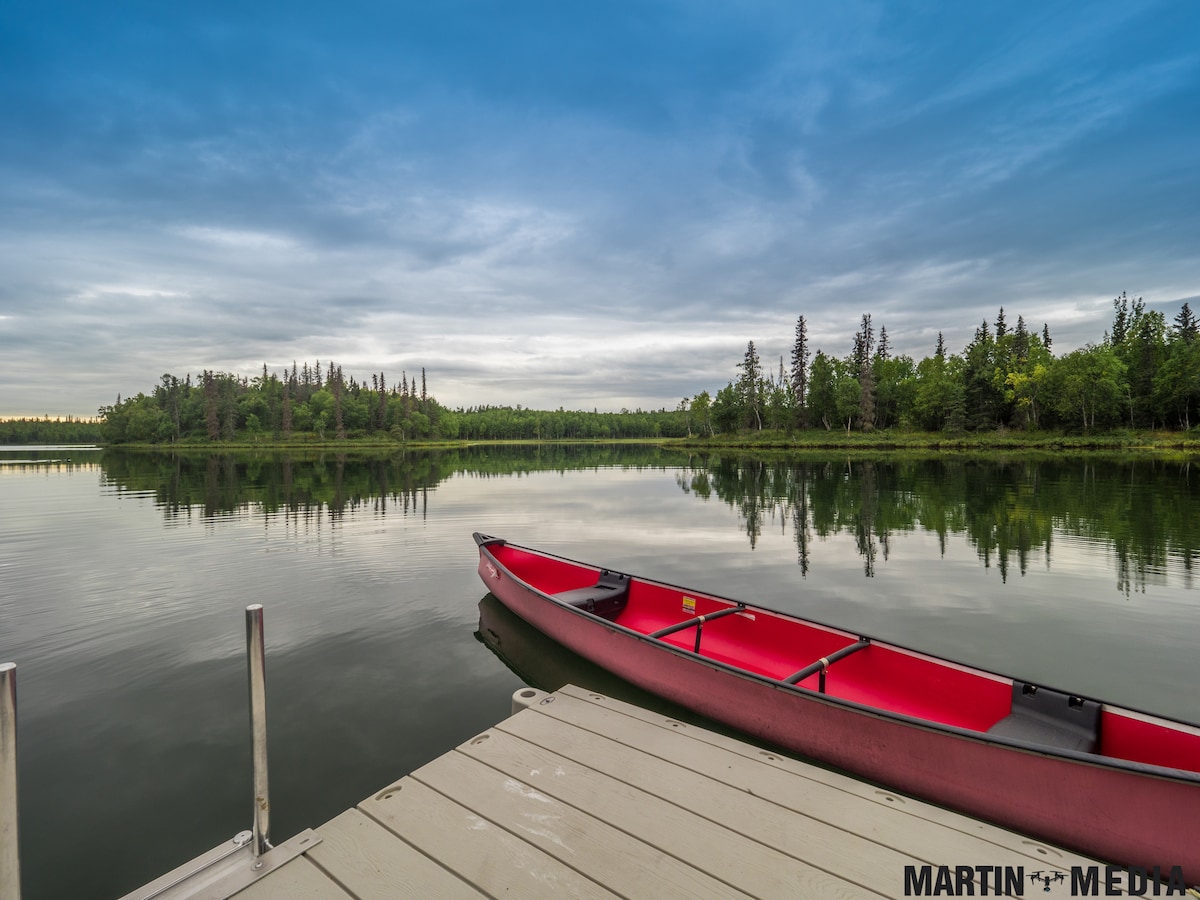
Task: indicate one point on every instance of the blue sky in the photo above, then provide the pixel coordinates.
(576, 204)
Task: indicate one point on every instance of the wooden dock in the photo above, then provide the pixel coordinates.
(582, 795)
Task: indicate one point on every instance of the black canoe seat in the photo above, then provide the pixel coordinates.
(1051, 718)
(606, 598)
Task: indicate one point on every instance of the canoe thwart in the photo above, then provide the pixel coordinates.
(825, 661)
(1052, 718)
(698, 622)
(605, 598)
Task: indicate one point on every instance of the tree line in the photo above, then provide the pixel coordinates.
(306, 400)
(62, 430)
(320, 403)
(1143, 374)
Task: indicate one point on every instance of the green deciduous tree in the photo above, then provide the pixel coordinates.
(1139, 340)
(895, 388)
(727, 413)
(1177, 382)
(1087, 386)
(701, 411)
(822, 391)
(938, 397)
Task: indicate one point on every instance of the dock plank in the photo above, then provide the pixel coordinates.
(928, 833)
(717, 845)
(587, 844)
(822, 817)
(374, 864)
(476, 849)
(298, 880)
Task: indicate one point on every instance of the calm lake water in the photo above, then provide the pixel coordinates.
(123, 580)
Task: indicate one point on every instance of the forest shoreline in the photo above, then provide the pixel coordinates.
(883, 441)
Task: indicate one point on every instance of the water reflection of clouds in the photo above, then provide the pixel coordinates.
(390, 557)
(1056, 611)
(125, 610)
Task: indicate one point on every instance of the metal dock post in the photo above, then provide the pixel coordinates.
(227, 869)
(10, 863)
(256, 665)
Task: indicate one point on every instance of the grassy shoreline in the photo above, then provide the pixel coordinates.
(775, 441)
(1124, 440)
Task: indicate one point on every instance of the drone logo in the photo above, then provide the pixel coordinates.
(1045, 879)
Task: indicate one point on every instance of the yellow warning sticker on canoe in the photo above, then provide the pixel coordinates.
(689, 605)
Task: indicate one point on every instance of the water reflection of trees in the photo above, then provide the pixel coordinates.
(221, 484)
(23, 460)
(335, 483)
(1145, 511)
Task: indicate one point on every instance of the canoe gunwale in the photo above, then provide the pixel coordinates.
(484, 542)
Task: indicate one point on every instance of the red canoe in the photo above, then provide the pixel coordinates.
(1112, 783)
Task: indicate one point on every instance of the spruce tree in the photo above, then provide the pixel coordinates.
(982, 397)
(212, 422)
(749, 386)
(338, 387)
(285, 424)
(381, 414)
(1021, 341)
(1120, 327)
(1185, 324)
(228, 394)
(800, 371)
(864, 342)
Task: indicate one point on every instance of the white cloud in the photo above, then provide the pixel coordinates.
(254, 241)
